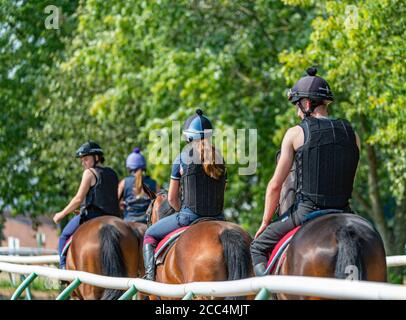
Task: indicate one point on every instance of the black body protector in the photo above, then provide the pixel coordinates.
(102, 197)
(327, 162)
(201, 193)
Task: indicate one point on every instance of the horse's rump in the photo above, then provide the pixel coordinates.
(342, 245)
(107, 246)
(208, 251)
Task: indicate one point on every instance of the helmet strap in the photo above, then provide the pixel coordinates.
(94, 161)
(307, 113)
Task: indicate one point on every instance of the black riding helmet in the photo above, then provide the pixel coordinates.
(89, 148)
(315, 88)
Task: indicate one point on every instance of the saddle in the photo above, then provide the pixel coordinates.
(167, 243)
(278, 254)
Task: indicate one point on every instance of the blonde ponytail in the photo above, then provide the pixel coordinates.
(138, 190)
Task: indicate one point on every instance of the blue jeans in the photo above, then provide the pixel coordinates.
(183, 218)
(68, 231)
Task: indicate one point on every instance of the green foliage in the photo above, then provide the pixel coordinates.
(361, 50)
(28, 52)
(117, 70)
(135, 67)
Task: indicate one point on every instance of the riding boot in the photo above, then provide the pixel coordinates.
(149, 261)
(260, 269)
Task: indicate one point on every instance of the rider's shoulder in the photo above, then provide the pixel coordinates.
(293, 131)
(88, 174)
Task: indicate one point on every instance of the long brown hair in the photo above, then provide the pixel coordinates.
(211, 159)
(138, 190)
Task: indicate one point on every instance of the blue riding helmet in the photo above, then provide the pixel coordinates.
(136, 160)
(197, 127)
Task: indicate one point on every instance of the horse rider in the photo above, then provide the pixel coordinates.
(199, 176)
(326, 154)
(97, 194)
(131, 190)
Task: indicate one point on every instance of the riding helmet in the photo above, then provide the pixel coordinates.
(311, 86)
(89, 148)
(197, 127)
(136, 160)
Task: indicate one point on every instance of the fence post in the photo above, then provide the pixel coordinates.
(188, 296)
(28, 295)
(69, 289)
(262, 295)
(23, 286)
(129, 293)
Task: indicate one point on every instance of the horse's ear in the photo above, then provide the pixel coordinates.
(151, 194)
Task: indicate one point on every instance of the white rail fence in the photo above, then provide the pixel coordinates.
(308, 286)
(26, 251)
(391, 261)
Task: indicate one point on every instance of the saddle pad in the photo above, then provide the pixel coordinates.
(66, 246)
(168, 240)
(279, 248)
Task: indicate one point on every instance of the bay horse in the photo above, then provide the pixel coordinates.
(339, 245)
(336, 245)
(210, 250)
(108, 246)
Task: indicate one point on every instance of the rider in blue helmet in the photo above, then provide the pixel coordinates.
(97, 194)
(199, 176)
(136, 201)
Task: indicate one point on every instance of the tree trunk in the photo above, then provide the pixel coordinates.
(376, 212)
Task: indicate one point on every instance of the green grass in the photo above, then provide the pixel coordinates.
(39, 284)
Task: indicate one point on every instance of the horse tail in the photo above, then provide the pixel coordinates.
(112, 260)
(236, 254)
(349, 258)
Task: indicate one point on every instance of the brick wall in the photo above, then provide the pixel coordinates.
(21, 228)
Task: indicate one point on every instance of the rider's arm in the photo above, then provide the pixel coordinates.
(84, 187)
(281, 172)
(173, 194)
(120, 189)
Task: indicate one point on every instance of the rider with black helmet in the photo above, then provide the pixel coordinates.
(97, 194)
(136, 201)
(325, 152)
(199, 177)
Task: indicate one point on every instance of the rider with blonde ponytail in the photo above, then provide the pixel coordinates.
(136, 201)
(196, 189)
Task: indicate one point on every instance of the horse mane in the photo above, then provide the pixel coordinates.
(165, 208)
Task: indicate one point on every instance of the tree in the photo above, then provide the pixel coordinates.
(28, 51)
(134, 67)
(361, 51)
